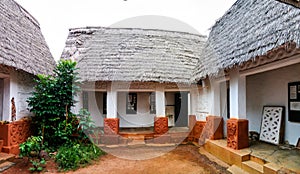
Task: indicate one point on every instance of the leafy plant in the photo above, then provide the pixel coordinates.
(86, 124)
(38, 165)
(31, 147)
(51, 103)
(72, 156)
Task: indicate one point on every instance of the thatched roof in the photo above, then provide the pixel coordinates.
(22, 44)
(131, 54)
(248, 29)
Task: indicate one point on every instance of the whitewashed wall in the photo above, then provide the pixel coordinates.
(25, 86)
(271, 88)
(17, 84)
(143, 118)
(95, 107)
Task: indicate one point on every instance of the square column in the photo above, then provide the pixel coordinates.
(215, 98)
(194, 95)
(237, 133)
(112, 103)
(160, 102)
(237, 95)
(237, 126)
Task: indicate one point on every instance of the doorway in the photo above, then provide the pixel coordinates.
(181, 109)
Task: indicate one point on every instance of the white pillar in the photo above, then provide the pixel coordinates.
(194, 94)
(160, 101)
(189, 104)
(112, 102)
(215, 98)
(237, 95)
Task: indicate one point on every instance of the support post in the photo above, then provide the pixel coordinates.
(112, 102)
(216, 98)
(237, 125)
(237, 95)
(160, 102)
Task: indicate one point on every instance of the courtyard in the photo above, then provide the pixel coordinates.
(171, 159)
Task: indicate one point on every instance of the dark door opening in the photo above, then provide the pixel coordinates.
(181, 109)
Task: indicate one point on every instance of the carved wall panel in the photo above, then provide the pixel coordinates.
(160, 125)
(14, 134)
(111, 126)
(198, 129)
(237, 133)
(271, 127)
(284, 51)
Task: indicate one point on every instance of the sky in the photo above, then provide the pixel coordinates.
(57, 16)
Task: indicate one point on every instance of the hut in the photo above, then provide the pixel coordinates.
(253, 52)
(23, 54)
(135, 74)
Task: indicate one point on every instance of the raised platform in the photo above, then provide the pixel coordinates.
(258, 158)
(141, 136)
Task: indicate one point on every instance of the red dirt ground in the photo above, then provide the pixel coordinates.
(181, 160)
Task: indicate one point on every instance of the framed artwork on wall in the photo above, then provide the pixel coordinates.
(131, 103)
(294, 101)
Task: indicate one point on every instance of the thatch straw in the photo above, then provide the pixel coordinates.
(249, 28)
(123, 54)
(22, 44)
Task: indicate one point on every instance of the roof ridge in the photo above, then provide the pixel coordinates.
(28, 15)
(135, 28)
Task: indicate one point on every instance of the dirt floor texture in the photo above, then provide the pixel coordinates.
(184, 159)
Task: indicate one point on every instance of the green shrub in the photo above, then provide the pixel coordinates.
(73, 156)
(38, 165)
(31, 147)
(51, 104)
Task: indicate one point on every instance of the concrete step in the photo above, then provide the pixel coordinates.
(137, 143)
(253, 167)
(6, 165)
(6, 157)
(236, 170)
(136, 137)
(219, 149)
(258, 160)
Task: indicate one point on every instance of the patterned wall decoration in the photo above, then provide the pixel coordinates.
(111, 126)
(232, 135)
(237, 133)
(14, 134)
(160, 125)
(271, 126)
(198, 129)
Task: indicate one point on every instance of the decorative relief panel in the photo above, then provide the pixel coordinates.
(111, 126)
(282, 52)
(232, 135)
(237, 133)
(271, 126)
(198, 129)
(20, 131)
(161, 125)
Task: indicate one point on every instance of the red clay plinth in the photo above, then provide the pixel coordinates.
(160, 125)
(14, 134)
(111, 126)
(198, 129)
(237, 133)
(214, 126)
